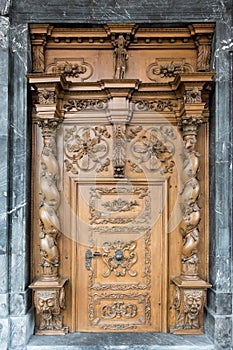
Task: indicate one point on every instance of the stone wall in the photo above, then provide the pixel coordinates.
(16, 312)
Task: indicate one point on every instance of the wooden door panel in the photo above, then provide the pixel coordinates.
(122, 287)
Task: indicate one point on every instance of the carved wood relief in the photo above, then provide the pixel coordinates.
(120, 177)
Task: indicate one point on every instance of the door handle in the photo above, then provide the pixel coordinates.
(89, 256)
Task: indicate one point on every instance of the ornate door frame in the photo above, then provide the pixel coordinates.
(178, 90)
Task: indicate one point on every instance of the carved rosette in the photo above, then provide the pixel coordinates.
(167, 69)
(154, 149)
(86, 149)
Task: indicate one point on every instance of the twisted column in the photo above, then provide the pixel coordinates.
(48, 210)
(190, 194)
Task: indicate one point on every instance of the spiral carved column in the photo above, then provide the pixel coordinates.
(190, 290)
(49, 292)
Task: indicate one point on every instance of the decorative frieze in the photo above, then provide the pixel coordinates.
(87, 104)
(154, 105)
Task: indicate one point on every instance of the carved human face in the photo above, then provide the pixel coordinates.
(47, 304)
(193, 304)
(190, 142)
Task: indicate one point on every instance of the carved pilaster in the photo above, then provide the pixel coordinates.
(38, 39)
(119, 150)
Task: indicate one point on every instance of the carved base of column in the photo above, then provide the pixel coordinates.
(189, 301)
(49, 300)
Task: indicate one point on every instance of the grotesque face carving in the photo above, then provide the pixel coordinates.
(192, 303)
(47, 304)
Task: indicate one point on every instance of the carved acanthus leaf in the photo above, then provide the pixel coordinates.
(154, 105)
(87, 104)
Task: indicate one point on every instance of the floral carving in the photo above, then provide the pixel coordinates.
(68, 69)
(154, 149)
(119, 257)
(81, 105)
(72, 68)
(154, 105)
(120, 205)
(47, 97)
(167, 69)
(193, 96)
(86, 149)
(119, 310)
(98, 216)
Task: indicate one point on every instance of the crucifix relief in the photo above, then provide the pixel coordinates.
(120, 178)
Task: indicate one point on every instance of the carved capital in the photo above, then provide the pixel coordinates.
(189, 125)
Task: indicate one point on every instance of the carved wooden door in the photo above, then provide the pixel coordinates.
(118, 209)
(120, 271)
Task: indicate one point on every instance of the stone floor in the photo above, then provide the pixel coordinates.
(120, 341)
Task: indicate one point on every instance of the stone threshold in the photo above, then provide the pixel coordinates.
(120, 341)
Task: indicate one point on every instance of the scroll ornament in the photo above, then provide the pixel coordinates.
(190, 194)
